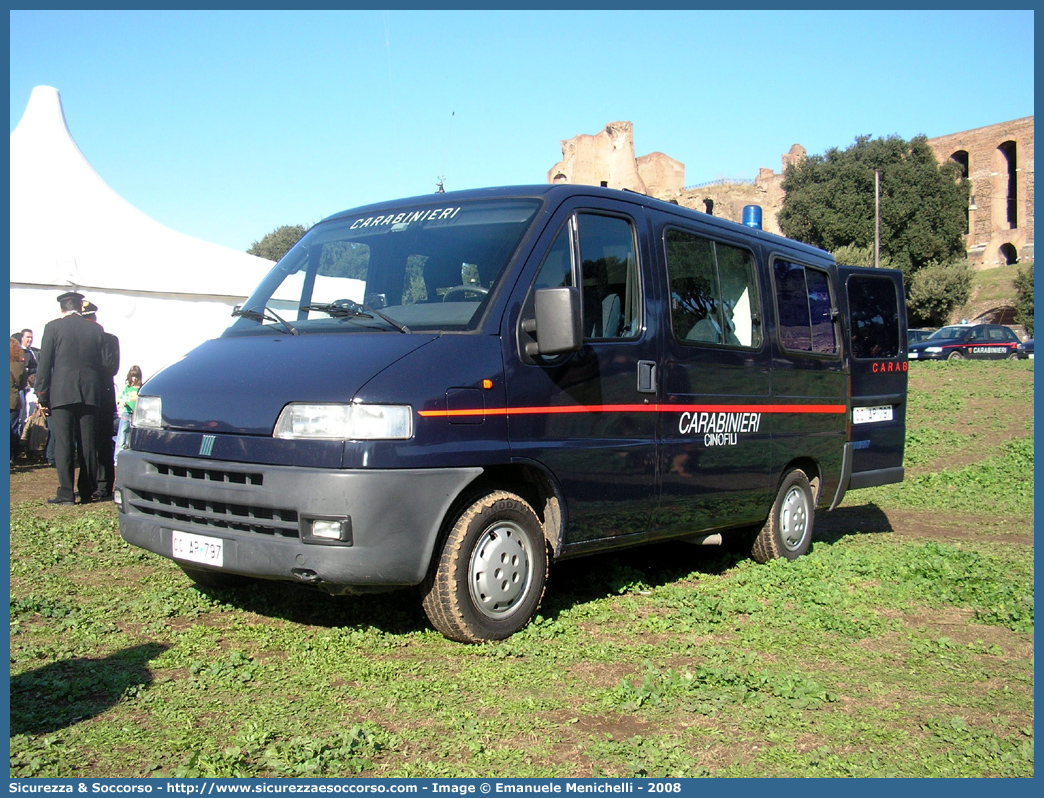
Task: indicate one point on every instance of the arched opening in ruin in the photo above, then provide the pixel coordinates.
(1007, 176)
(1002, 314)
(1008, 254)
(561, 178)
(961, 159)
(708, 206)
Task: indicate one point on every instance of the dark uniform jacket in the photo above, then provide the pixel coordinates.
(111, 365)
(75, 361)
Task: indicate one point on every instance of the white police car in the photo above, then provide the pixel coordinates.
(960, 341)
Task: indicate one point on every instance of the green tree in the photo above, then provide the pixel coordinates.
(851, 255)
(1024, 298)
(935, 290)
(829, 201)
(277, 243)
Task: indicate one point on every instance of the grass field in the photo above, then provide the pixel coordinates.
(901, 645)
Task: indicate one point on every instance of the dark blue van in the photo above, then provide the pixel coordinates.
(453, 391)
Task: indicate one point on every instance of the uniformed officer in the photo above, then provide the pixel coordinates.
(72, 365)
(106, 410)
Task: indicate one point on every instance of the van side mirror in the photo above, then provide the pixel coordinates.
(557, 323)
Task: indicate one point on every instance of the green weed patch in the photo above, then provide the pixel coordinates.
(1001, 484)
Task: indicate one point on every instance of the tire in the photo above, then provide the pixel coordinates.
(219, 579)
(955, 355)
(788, 531)
(489, 578)
(1013, 356)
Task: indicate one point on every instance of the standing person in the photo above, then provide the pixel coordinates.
(106, 410)
(69, 387)
(126, 402)
(25, 340)
(30, 353)
(19, 378)
(32, 362)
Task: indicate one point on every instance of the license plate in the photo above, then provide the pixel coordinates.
(197, 548)
(868, 415)
(913, 356)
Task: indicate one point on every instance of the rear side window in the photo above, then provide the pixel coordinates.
(803, 302)
(874, 313)
(713, 292)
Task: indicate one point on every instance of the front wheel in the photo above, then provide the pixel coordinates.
(490, 574)
(788, 530)
(955, 355)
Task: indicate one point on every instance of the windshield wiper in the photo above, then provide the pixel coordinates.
(343, 308)
(256, 315)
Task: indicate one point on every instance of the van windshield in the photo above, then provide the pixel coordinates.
(429, 268)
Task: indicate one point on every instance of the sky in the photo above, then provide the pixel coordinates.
(227, 125)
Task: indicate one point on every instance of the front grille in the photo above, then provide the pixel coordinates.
(215, 514)
(218, 475)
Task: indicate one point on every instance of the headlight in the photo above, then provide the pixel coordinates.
(933, 349)
(148, 412)
(356, 422)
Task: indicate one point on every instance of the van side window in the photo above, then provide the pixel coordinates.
(803, 301)
(874, 314)
(609, 274)
(609, 277)
(713, 292)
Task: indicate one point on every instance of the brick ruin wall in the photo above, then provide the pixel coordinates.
(607, 159)
(999, 161)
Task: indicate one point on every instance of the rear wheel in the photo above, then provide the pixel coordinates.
(788, 530)
(490, 574)
(222, 579)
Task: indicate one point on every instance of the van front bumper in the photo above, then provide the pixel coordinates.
(263, 516)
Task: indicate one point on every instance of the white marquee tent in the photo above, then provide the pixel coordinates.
(161, 292)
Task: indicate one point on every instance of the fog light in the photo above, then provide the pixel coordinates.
(327, 530)
(117, 497)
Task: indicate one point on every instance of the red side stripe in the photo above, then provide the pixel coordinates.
(649, 408)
